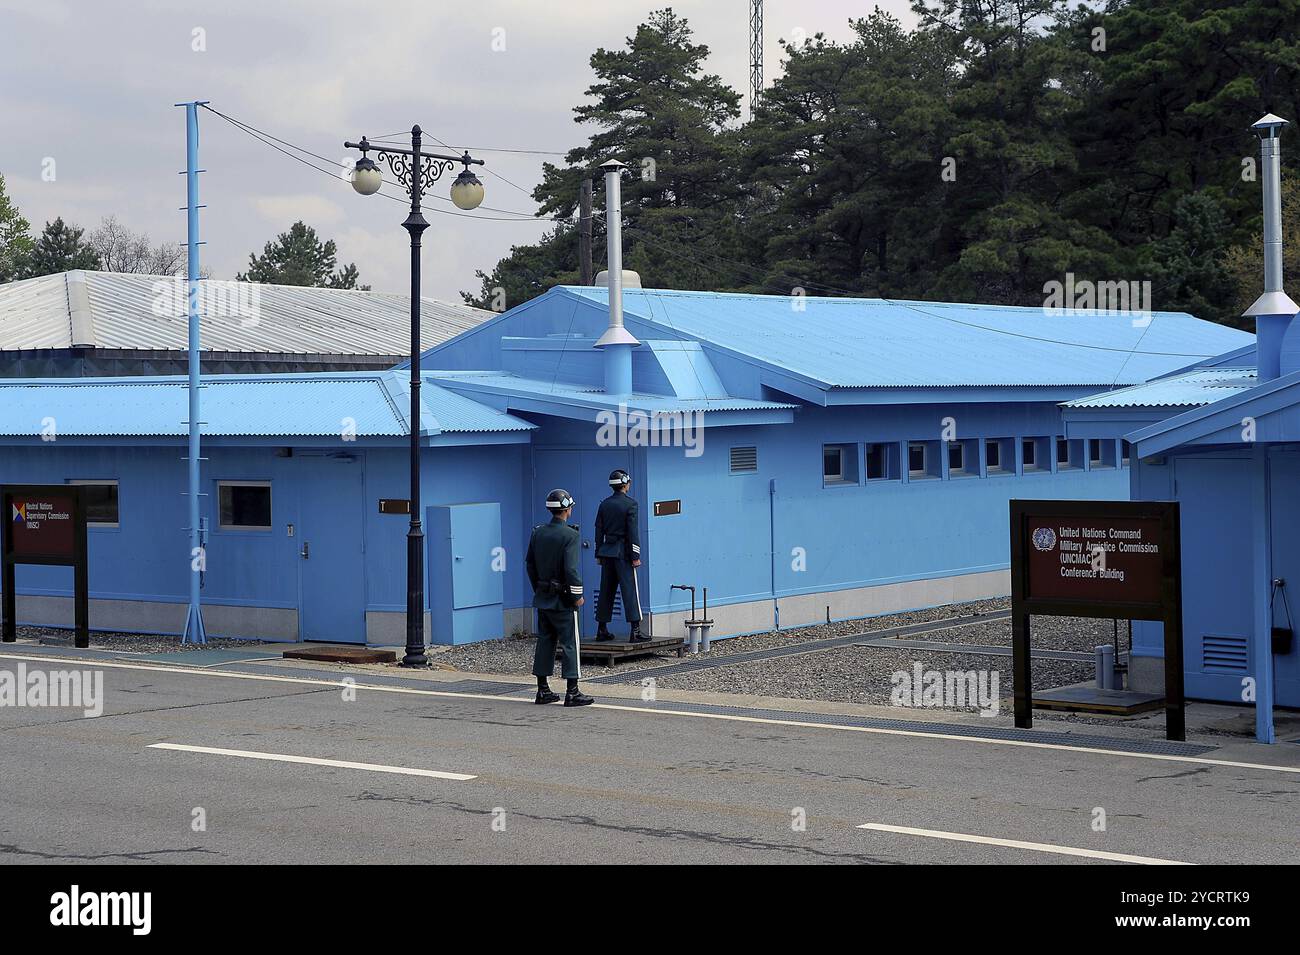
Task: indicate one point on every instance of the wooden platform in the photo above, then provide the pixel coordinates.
(341, 654)
(610, 652)
(1086, 698)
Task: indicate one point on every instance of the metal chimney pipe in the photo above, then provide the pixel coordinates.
(1274, 309)
(616, 341)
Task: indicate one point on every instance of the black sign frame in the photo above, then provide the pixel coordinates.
(77, 561)
(1168, 610)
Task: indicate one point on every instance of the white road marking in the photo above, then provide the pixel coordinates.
(765, 720)
(314, 761)
(1019, 844)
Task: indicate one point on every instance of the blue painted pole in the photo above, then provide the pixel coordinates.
(1262, 649)
(194, 629)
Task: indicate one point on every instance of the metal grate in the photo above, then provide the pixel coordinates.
(1223, 653)
(744, 460)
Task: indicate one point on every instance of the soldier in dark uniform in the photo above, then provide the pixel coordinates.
(553, 571)
(618, 548)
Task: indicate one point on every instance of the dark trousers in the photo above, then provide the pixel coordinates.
(557, 627)
(618, 574)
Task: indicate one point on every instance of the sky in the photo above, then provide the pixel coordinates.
(88, 87)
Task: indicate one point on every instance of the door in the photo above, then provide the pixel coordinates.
(585, 475)
(1217, 615)
(465, 581)
(1284, 486)
(331, 558)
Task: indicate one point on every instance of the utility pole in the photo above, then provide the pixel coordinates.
(194, 632)
(585, 276)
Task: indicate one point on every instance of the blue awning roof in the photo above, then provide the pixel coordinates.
(305, 405)
(1191, 389)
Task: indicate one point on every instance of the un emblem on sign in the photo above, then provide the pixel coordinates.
(1044, 538)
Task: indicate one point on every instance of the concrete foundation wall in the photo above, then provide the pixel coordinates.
(151, 616)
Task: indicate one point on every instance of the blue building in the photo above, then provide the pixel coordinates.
(299, 546)
(854, 456)
(804, 459)
(1226, 445)
(1222, 437)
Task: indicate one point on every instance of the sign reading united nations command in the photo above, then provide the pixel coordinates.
(1110, 558)
(1117, 559)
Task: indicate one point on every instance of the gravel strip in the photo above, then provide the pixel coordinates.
(515, 656)
(141, 643)
(1047, 633)
(862, 674)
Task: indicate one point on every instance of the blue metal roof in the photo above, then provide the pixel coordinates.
(1273, 406)
(509, 386)
(1191, 389)
(370, 404)
(880, 343)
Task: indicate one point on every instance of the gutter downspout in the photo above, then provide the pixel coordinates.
(771, 528)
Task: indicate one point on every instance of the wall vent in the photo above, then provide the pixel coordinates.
(744, 460)
(1223, 654)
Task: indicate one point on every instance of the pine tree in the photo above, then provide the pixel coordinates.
(299, 257)
(60, 248)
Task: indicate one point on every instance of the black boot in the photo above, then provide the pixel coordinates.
(575, 697)
(637, 636)
(544, 693)
(603, 634)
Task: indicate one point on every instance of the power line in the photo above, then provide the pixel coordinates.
(509, 215)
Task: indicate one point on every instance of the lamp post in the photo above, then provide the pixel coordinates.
(414, 168)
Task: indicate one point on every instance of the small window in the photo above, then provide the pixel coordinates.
(916, 459)
(744, 460)
(1126, 452)
(1101, 454)
(963, 458)
(244, 505)
(881, 461)
(1069, 454)
(924, 460)
(1035, 455)
(833, 464)
(1000, 456)
(839, 464)
(101, 502)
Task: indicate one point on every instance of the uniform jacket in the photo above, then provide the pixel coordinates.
(616, 528)
(553, 556)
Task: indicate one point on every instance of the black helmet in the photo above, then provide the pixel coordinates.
(619, 477)
(559, 500)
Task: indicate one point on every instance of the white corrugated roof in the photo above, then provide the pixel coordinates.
(113, 310)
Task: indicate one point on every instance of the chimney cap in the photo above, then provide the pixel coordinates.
(612, 165)
(1272, 303)
(1269, 121)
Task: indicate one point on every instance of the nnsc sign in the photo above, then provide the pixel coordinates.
(43, 524)
(1112, 559)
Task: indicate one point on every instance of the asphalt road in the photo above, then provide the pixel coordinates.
(594, 785)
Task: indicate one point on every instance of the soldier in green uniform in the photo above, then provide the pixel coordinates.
(553, 571)
(618, 548)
